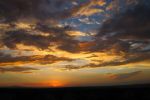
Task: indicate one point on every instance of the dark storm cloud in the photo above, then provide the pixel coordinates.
(12, 38)
(126, 32)
(13, 10)
(60, 37)
(70, 47)
(132, 24)
(124, 75)
(49, 29)
(56, 36)
(51, 10)
(109, 44)
(41, 9)
(16, 69)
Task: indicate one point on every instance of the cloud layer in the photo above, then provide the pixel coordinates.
(123, 32)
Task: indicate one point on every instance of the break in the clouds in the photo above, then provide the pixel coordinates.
(74, 29)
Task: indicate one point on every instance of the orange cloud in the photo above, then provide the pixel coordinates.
(87, 8)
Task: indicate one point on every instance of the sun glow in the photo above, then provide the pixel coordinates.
(56, 83)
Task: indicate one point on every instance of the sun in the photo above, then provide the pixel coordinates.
(55, 83)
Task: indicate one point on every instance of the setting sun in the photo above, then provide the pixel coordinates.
(55, 83)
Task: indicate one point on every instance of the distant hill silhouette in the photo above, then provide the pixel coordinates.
(126, 92)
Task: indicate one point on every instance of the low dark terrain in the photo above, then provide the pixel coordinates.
(134, 92)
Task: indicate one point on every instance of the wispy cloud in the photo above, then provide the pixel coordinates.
(123, 76)
(36, 59)
(17, 69)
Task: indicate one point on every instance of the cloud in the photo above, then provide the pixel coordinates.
(133, 23)
(41, 10)
(60, 37)
(123, 76)
(17, 69)
(130, 59)
(87, 8)
(38, 9)
(36, 59)
(53, 36)
(12, 38)
(118, 31)
(126, 34)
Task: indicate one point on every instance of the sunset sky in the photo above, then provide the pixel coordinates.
(65, 43)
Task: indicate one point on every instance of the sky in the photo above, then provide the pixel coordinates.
(69, 43)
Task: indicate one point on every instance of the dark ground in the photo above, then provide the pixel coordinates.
(134, 92)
